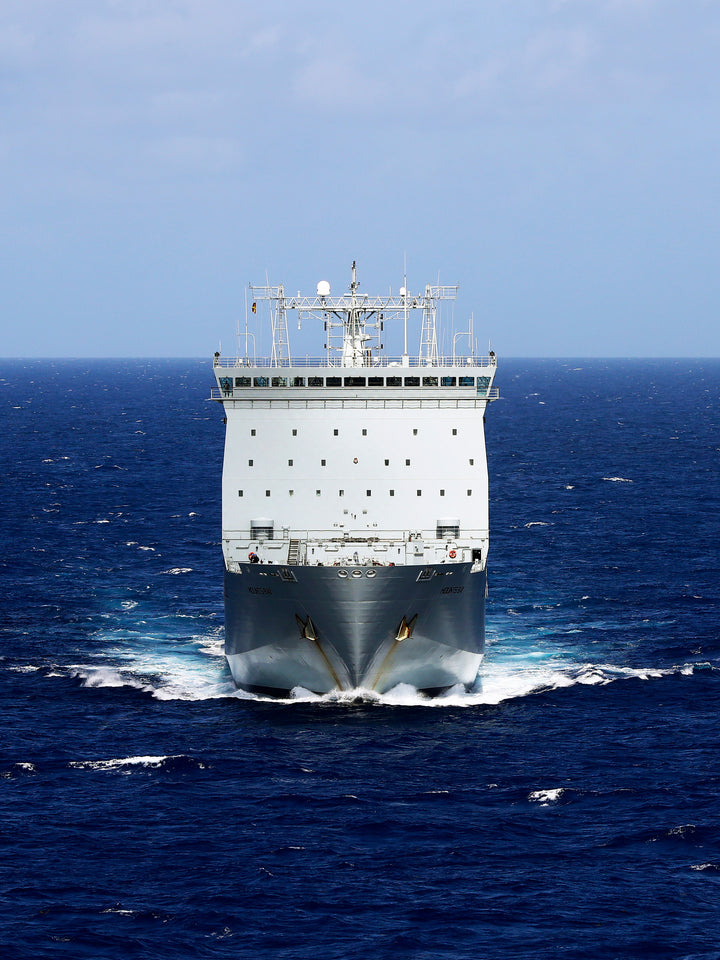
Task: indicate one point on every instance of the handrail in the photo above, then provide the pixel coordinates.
(330, 393)
(457, 363)
(336, 536)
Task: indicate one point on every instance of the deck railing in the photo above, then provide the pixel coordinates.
(374, 363)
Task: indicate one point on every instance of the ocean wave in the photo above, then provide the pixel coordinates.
(617, 479)
(545, 797)
(127, 764)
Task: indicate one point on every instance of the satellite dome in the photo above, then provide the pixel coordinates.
(323, 289)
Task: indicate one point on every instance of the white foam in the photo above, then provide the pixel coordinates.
(119, 763)
(617, 479)
(174, 571)
(546, 796)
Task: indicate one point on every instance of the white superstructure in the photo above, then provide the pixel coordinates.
(355, 446)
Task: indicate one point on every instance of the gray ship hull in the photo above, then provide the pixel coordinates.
(324, 628)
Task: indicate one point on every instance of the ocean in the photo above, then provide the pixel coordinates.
(568, 808)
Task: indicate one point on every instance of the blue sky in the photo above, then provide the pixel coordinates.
(556, 158)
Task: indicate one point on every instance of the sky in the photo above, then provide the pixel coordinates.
(558, 159)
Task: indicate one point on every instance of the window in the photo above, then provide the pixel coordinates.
(419, 493)
(466, 381)
(322, 463)
(375, 381)
(341, 493)
(412, 381)
(407, 463)
(447, 381)
(291, 493)
(442, 493)
(315, 382)
(368, 493)
(333, 382)
(471, 462)
(394, 381)
(261, 381)
(392, 493)
(252, 433)
(240, 493)
(242, 381)
(298, 381)
(469, 493)
(335, 433)
(364, 433)
(354, 381)
(279, 381)
(317, 493)
(415, 432)
(294, 433)
(267, 493)
(454, 432)
(430, 381)
(290, 463)
(387, 463)
(250, 463)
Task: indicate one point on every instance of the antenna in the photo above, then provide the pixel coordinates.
(404, 294)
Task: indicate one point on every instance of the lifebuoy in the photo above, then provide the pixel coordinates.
(452, 554)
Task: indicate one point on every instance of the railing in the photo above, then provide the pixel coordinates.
(329, 393)
(373, 363)
(337, 536)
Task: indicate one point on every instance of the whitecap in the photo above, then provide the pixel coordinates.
(617, 479)
(546, 796)
(537, 523)
(176, 570)
(116, 764)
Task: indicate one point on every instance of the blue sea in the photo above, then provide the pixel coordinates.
(568, 808)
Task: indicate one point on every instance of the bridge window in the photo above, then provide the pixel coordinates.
(412, 381)
(354, 381)
(447, 381)
(394, 381)
(242, 381)
(333, 382)
(279, 381)
(315, 382)
(430, 381)
(466, 381)
(375, 381)
(261, 381)
(298, 381)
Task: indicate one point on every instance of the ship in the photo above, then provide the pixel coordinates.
(354, 497)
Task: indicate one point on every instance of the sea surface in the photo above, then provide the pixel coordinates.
(569, 808)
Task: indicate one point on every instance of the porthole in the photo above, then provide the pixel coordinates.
(356, 574)
(342, 574)
(370, 574)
